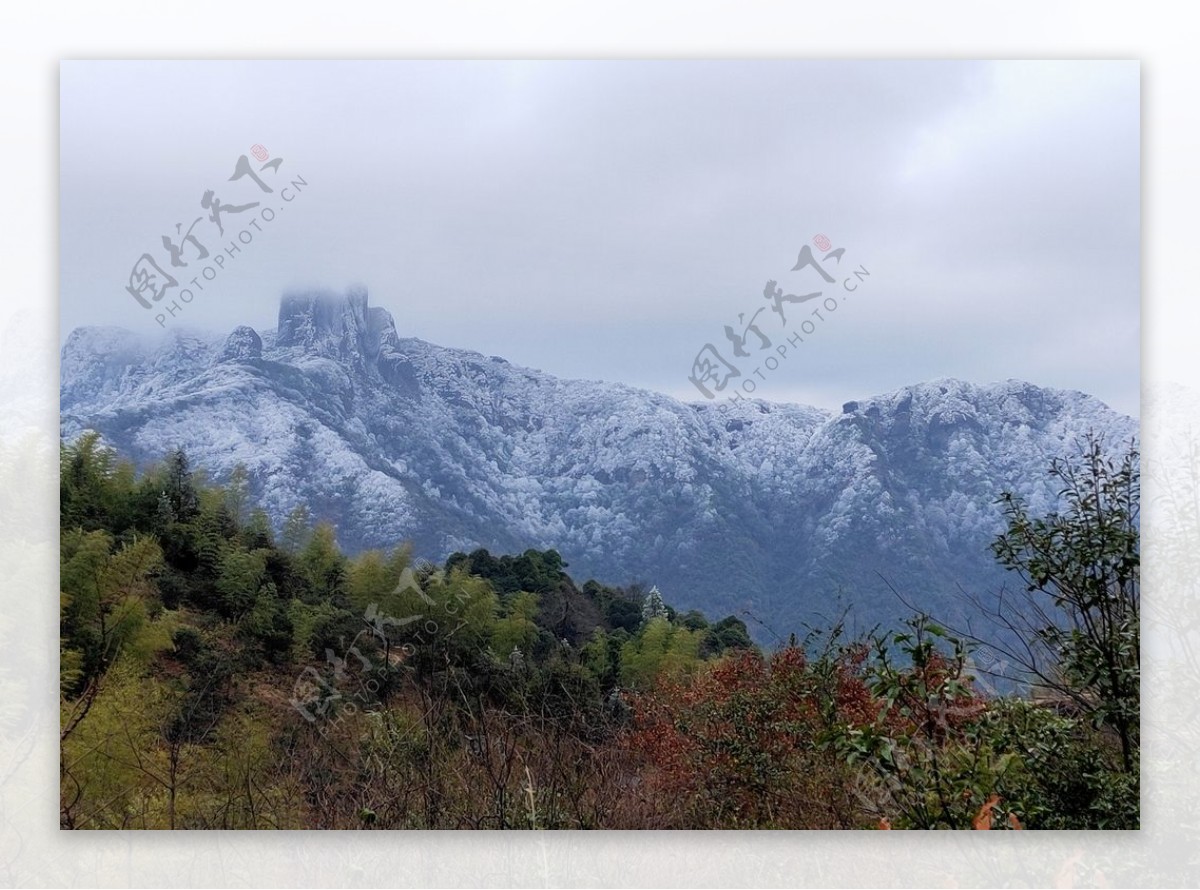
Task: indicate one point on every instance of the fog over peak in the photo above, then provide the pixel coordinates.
(606, 220)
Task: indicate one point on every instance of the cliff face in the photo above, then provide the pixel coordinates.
(775, 508)
(324, 323)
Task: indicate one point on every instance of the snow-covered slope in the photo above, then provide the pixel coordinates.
(770, 507)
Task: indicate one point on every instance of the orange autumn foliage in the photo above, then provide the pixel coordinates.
(983, 819)
(743, 742)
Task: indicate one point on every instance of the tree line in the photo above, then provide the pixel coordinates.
(222, 670)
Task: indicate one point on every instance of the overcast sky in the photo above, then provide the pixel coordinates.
(606, 220)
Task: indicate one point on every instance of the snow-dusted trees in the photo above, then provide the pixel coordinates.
(653, 606)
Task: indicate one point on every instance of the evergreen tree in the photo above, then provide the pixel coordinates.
(518, 629)
(237, 493)
(180, 488)
(322, 563)
(653, 606)
(296, 530)
(258, 534)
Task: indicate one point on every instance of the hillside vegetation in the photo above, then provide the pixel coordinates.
(220, 669)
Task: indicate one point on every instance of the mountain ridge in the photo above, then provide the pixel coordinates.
(767, 507)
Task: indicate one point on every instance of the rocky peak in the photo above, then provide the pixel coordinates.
(243, 345)
(338, 326)
(323, 322)
(95, 360)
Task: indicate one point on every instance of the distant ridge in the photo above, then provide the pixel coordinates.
(773, 508)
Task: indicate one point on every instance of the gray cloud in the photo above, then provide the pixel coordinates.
(606, 219)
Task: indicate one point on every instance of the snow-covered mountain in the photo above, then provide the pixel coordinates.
(775, 508)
